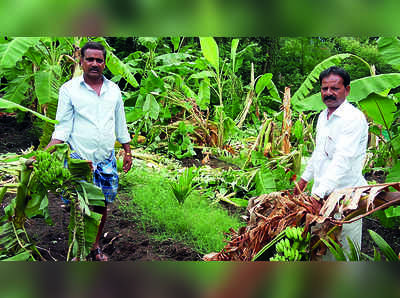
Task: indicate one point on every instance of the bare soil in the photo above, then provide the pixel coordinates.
(124, 239)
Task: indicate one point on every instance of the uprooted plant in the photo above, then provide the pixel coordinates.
(270, 215)
(37, 177)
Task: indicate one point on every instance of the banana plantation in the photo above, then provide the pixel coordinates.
(221, 131)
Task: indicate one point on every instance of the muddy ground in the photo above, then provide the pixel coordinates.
(124, 239)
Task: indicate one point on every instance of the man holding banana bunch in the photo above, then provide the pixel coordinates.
(340, 148)
(91, 118)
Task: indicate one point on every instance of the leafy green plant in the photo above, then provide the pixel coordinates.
(355, 253)
(180, 143)
(385, 248)
(183, 186)
(340, 253)
(38, 177)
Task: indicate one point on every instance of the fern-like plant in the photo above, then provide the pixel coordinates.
(183, 186)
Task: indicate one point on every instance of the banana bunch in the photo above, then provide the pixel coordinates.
(293, 247)
(295, 234)
(50, 171)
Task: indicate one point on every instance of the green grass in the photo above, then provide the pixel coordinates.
(195, 222)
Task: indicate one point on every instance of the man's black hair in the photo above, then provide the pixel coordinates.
(336, 71)
(94, 46)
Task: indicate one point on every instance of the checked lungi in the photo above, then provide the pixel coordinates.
(105, 176)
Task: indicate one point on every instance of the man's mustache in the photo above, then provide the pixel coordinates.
(332, 97)
(94, 68)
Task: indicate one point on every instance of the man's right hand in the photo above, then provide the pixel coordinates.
(300, 186)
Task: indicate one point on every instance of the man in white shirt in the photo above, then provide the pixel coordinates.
(91, 118)
(341, 142)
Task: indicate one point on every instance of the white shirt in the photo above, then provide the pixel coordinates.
(338, 157)
(90, 123)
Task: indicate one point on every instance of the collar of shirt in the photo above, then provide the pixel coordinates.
(340, 111)
(104, 87)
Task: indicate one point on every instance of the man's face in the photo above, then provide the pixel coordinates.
(93, 63)
(333, 92)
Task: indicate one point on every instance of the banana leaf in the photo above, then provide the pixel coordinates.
(47, 84)
(118, 68)
(266, 81)
(380, 109)
(389, 48)
(12, 52)
(23, 256)
(361, 88)
(5, 104)
(48, 127)
(210, 51)
(17, 89)
(234, 46)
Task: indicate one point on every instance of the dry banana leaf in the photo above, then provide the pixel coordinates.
(366, 197)
(270, 214)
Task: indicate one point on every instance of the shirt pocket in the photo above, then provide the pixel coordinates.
(329, 147)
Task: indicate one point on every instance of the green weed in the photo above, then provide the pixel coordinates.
(194, 222)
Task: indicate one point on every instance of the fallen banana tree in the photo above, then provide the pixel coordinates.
(37, 177)
(271, 214)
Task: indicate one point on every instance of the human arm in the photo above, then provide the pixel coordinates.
(122, 134)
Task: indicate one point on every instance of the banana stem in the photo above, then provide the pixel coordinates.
(22, 191)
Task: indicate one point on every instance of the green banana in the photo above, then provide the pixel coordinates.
(288, 232)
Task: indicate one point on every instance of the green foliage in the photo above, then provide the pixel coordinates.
(265, 181)
(196, 222)
(389, 48)
(355, 254)
(13, 51)
(183, 186)
(210, 51)
(337, 251)
(380, 109)
(5, 104)
(361, 88)
(385, 248)
(180, 144)
(118, 68)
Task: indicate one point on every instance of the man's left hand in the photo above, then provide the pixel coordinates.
(127, 162)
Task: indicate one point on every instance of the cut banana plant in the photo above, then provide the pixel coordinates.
(39, 176)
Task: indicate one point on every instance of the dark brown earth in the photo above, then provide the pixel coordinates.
(124, 239)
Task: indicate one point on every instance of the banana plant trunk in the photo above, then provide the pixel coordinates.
(22, 193)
